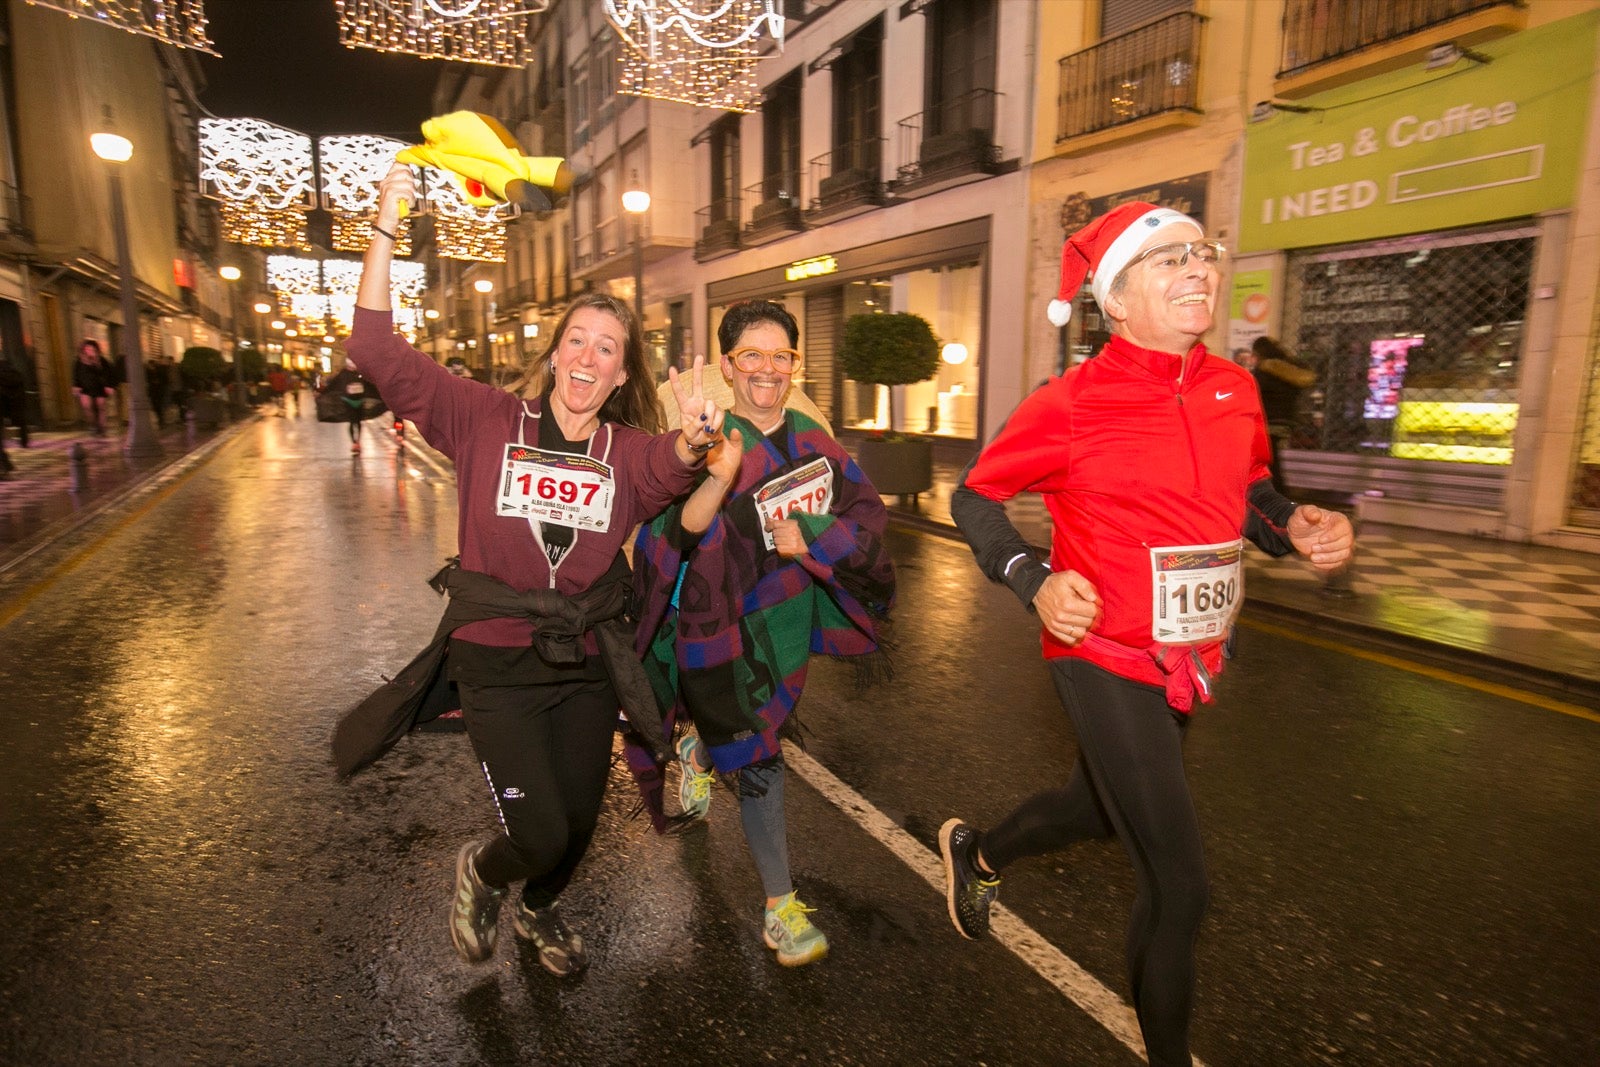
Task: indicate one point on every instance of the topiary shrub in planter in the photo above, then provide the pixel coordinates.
(890, 350)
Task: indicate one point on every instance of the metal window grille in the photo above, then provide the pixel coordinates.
(1416, 343)
(1585, 497)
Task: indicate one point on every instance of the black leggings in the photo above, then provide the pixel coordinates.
(546, 752)
(1129, 782)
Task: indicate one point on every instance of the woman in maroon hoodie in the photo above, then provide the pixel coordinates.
(551, 478)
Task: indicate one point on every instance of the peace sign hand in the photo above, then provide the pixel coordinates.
(701, 418)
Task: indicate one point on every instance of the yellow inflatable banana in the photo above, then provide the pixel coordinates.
(488, 163)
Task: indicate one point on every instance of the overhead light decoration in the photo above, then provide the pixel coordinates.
(294, 275)
(263, 227)
(177, 22)
(321, 293)
(350, 168)
(492, 32)
(700, 52)
(263, 175)
(461, 231)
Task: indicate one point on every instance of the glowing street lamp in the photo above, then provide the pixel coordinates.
(234, 274)
(142, 441)
(484, 287)
(636, 202)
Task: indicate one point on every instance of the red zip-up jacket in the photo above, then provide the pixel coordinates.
(1132, 450)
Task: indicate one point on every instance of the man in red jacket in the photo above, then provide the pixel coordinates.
(1152, 458)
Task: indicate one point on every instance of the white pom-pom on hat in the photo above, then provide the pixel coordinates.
(1059, 312)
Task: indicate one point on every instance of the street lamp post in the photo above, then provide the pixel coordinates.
(262, 310)
(142, 441)
(231, 274)
(636, 202)
(484, 287)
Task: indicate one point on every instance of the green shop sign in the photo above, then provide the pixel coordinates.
(1417, 150)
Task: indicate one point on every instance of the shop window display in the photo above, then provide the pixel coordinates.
(946, 405)
(1417, 344)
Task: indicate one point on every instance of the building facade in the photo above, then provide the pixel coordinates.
(62, 79)
(1411, 191)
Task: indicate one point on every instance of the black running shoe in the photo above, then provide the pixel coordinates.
(475, 910)
(560, 950)
(968, 894)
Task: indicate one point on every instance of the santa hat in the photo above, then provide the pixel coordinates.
(1104, 247)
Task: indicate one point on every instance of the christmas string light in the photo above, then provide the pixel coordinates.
(247, 159)
(294, 275)
(461, 231)
(712, 24)
(349, 169)
(251, 224)
(491, 32)
(177, 22)
(700, 52)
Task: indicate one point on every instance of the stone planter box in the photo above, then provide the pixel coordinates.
(897, 468)
(207, 412)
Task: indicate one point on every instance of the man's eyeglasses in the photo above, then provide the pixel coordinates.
(1175, 255)
(751, 360)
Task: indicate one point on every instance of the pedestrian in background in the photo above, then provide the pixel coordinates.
(155, 383)
(1281, 379)
(776, 555)
(278, 382)
(13, 405)
(94, 380)
(348, 397)
(1152, 460)
(551, 478)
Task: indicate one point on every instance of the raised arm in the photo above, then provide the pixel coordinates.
(397, 185)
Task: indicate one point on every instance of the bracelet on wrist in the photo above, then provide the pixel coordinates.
(386, 233)
(700, 450)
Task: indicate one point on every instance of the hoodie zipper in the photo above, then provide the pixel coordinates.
(1188, 430)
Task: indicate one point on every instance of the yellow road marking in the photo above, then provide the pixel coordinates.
(1436, 673)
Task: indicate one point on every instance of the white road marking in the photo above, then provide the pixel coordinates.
(1049, 962)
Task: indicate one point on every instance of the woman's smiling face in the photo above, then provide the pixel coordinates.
(588, 363)
(758, 394)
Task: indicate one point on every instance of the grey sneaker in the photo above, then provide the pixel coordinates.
(694, 787)
(787, 931)
(560, 950)
(967, 893)
(475, 909)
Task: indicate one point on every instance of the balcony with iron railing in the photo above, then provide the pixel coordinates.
(1332, 42)
(16, 213)
(950, 143)
(777, 199)
(597, 246)
(718, 226)
(1137, 81)
(847, 180)
(519, 296)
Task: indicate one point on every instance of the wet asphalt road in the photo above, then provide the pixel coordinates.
(1403, 870)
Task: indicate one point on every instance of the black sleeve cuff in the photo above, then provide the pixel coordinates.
(1026, 576)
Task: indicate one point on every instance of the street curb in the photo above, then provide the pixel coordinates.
(138, 487)
(1472, 662)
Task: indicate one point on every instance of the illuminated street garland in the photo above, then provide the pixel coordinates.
(264, 227)
(700, 52)
(251, 160)
(177, 22)
(461, 231)
(321, 293)
(350, 168)
(713, 24)
(492, 32)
